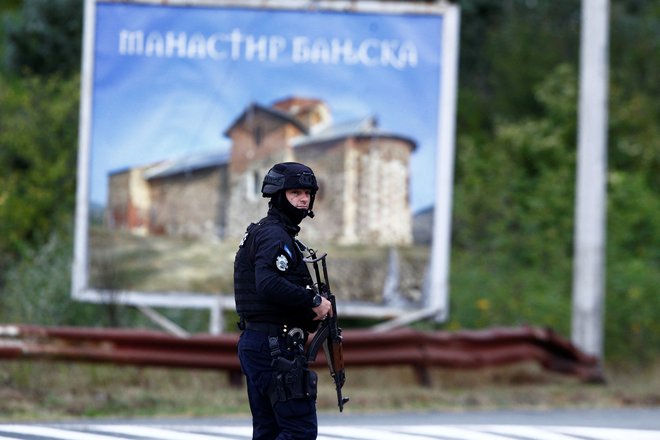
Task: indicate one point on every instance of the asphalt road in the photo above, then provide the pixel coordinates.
(597, 424)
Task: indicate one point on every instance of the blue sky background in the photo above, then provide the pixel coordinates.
(147, 109)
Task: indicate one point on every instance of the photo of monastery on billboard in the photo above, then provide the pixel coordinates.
(363, 175)
(191, 106)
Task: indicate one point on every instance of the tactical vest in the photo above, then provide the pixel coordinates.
(254, 308)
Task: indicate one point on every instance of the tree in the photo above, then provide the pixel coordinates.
(507, 49)
(47, 38)
(38, 140)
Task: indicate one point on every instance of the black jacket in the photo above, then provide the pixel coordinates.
(270, 276)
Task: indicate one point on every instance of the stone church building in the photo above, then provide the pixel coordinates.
(363, 175)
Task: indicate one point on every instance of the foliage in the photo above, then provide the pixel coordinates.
(38, 291)
(514, 194)
(6, 15)
(507, 49)
(38, 288)
(513, 217)
(47, 38)
(634, 47)
(514, 220)
(38, 138)
(10, 4)
(632, 330)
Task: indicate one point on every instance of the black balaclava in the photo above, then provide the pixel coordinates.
(294, 214)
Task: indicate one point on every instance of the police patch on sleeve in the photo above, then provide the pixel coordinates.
(282, 262)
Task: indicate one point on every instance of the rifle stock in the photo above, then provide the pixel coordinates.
(328, 335)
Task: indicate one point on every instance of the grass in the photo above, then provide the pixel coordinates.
(120, 260)
(41, 390)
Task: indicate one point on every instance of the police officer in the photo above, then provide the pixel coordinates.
(278, 309)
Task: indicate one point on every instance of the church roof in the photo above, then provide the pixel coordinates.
(255, 108)
(357, 128)
(187, 164)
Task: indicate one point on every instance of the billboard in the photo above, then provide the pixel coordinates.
(186, 105)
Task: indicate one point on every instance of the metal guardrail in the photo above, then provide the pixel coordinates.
(362, 348)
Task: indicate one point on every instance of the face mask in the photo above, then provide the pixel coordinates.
(294, 214)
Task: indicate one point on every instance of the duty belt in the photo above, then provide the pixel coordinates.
(270, 329)
(296, 338)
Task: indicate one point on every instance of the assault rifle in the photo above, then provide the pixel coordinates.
(328, 335)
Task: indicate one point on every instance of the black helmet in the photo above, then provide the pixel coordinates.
(288, 175)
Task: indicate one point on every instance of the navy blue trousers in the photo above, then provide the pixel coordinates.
(294, 419)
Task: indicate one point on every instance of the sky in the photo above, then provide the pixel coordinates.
(168, 81)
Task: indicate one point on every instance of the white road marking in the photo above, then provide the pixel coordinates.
(155, 432)
(452, 432)
(607, 433)
(245, 431)
(90, 431)
(535, 432)
(241, 431)
(369, 433)
(55, 433)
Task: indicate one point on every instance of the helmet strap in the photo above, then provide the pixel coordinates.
(310, 213)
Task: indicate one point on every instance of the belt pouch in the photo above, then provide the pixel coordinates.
(292, 380)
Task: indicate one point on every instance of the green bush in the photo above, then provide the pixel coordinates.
(513, 240)
(37, 289)
(38, 145)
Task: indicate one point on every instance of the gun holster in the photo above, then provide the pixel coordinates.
(292, 380)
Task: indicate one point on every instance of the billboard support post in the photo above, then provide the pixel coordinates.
(438, 296)
(79, 268)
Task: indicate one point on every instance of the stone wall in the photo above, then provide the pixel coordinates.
(191, 204)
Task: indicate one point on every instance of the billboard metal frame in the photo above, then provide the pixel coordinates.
(437, 292)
